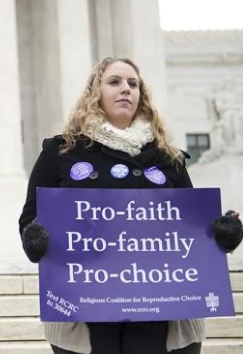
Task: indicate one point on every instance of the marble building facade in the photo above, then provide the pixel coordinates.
(48, 48)
(198, 64)
(47, 51)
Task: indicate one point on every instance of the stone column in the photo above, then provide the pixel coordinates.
(25, 34)
(75, 50)
(11, 159)
(103, 29)
(12, 180)
(137, 34)
(46, 68)
(61, 60)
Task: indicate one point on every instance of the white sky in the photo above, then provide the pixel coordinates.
(201, 14)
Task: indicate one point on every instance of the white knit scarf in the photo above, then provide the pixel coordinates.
(130, 139)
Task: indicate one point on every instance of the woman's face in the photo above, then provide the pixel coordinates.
(120, 94)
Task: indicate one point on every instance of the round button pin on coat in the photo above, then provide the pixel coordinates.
(94, 175)
(119, 171)
(137, 172)
(81, 170)
(155, 175)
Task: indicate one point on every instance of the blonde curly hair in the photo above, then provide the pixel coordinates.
(89, 105)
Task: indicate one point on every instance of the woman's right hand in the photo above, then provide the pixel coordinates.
(35, 241)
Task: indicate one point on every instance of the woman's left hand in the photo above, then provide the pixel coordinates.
(228, 231)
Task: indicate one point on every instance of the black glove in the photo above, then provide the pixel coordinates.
(35, 241)
(228, 231)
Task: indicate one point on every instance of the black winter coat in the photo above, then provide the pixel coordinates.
(52, 169)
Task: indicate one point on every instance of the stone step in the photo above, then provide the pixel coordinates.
(10, 285)
(236, 280)
(238, 302)
(28, 305)
(31, 329)
(19, 284)
(225, 327)
(210, 346)
(21, 329)
(235, 260)
(35, 347)
(29, 284)
(19, 305)
(222, 346)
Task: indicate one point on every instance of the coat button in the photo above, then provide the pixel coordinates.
(137, 172)
(94, 175)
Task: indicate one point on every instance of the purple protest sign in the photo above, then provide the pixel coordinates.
(137, 255)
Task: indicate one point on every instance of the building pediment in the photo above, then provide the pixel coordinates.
(196, 47)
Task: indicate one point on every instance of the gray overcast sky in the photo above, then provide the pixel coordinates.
(201, 14)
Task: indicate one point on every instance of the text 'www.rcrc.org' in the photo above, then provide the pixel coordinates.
(140, 309)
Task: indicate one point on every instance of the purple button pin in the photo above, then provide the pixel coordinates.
(155, 175)
(81, 170)
(119, 171)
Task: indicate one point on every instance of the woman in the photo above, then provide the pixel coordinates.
(114, 123)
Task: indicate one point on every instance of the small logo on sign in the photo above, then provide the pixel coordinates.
(212, 302)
